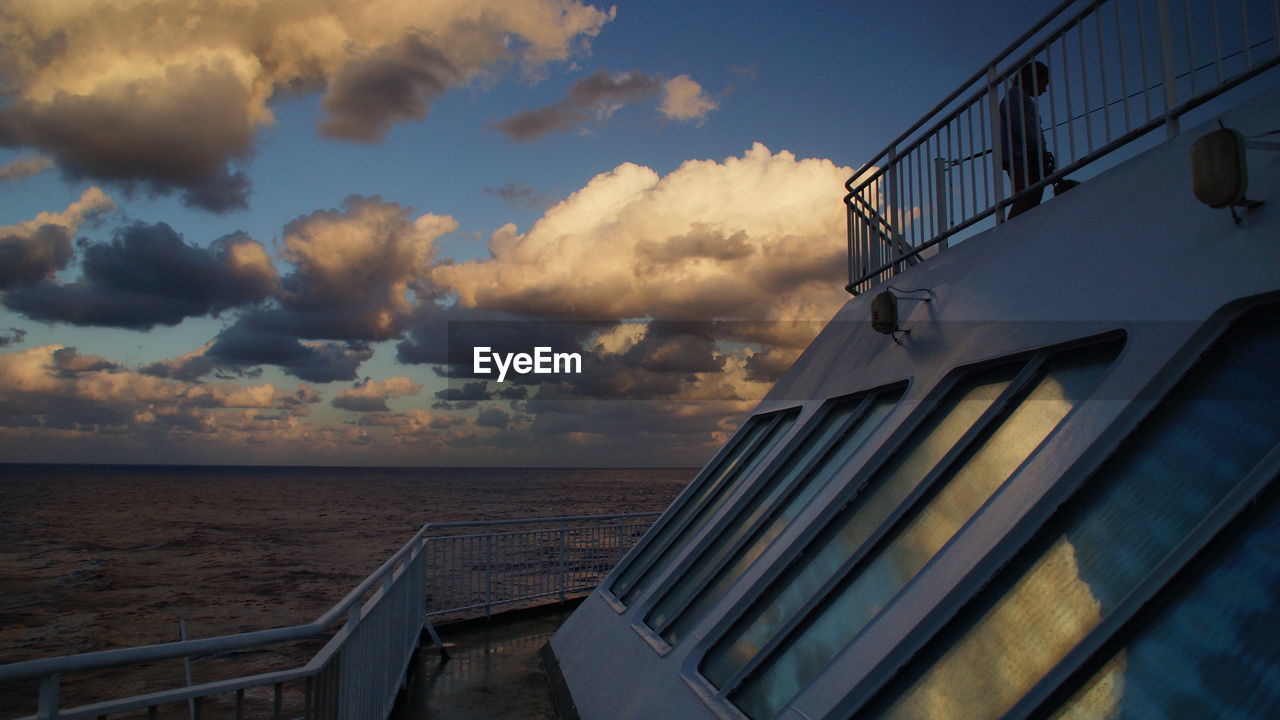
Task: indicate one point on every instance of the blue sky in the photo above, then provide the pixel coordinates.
(606, 193)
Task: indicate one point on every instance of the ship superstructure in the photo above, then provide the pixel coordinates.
(1030, 469)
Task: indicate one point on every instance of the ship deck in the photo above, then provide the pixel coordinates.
(495, 671)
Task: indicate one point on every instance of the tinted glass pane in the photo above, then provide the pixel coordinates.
(867, 590)
(743, 449)
(1193, 449)
(787, 492)
(1212, 653)
(841, 538)
(690, 518)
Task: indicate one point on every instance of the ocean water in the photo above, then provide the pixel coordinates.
(98, 557)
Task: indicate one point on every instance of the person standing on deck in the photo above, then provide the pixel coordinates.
(1025, 157)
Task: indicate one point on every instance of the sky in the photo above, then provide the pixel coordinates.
(273, 232)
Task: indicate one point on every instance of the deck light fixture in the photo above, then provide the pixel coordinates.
(884, 310)
(1220, 169)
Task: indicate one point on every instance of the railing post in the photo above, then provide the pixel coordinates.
(488, 572)
(563, 532)
(940, 203)
(1166, 52)
(896, 250)
(48, 707)
(997, 140)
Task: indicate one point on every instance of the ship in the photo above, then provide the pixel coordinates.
(1028, 470)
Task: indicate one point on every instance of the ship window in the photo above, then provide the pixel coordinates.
(788, 595)
(758, 437)
(1207, 434)
(835, 437)
(1211, 652)
(950, 501)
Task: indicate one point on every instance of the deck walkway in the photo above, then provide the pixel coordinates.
(495, 672)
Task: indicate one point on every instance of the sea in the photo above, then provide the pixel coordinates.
(94, 557)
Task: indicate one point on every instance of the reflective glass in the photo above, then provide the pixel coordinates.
(787, 491)
(690, 517)
(841, 538)
(1211, 653)
(853, 605)
(1207, 434)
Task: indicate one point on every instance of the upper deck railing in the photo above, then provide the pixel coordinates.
(1117, 70)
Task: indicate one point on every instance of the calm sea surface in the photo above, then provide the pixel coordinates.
(94, 557)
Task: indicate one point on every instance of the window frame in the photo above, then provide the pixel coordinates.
(1019, 539)
(864, 399)
(641, 552)
(1031, 360)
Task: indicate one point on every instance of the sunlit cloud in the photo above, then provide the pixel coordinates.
(683, 99)
(752, 238)
(25, 167)
(168, 96)
(372, 395)
(35, 249)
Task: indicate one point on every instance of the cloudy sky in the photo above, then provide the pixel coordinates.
(272, 231)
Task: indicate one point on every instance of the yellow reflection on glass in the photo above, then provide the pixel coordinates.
(998, 661)
(869, 589)
(852, 527)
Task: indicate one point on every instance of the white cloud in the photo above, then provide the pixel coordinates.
(756, 237)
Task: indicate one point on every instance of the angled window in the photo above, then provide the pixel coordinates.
(1139, 511)
(971, 398)
(1211, 651)
(1036, 407)
(835, 435)
(760, 434)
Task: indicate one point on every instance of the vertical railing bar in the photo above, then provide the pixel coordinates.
(1084, 89)
(1275, 24)
(1053, 107)
(1244, 32)
(1022, 131)
(488, 572)
(1066, 93)
(1102, 74)
(1142, 55)
(997, 140)
(1217, 40)
(986, 159)
(1166, 45)
(1124, 77)
(973, 162)
(1191, 45)
(240, 702)
(277, 712)
(950, 156)
(917, 222)
(48, 702)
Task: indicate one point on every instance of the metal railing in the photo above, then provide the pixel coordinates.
(362, 665)
(1116, 71)
(477, 566)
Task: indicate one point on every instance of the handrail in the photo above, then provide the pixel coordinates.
(405, 565)
(1117, 70)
